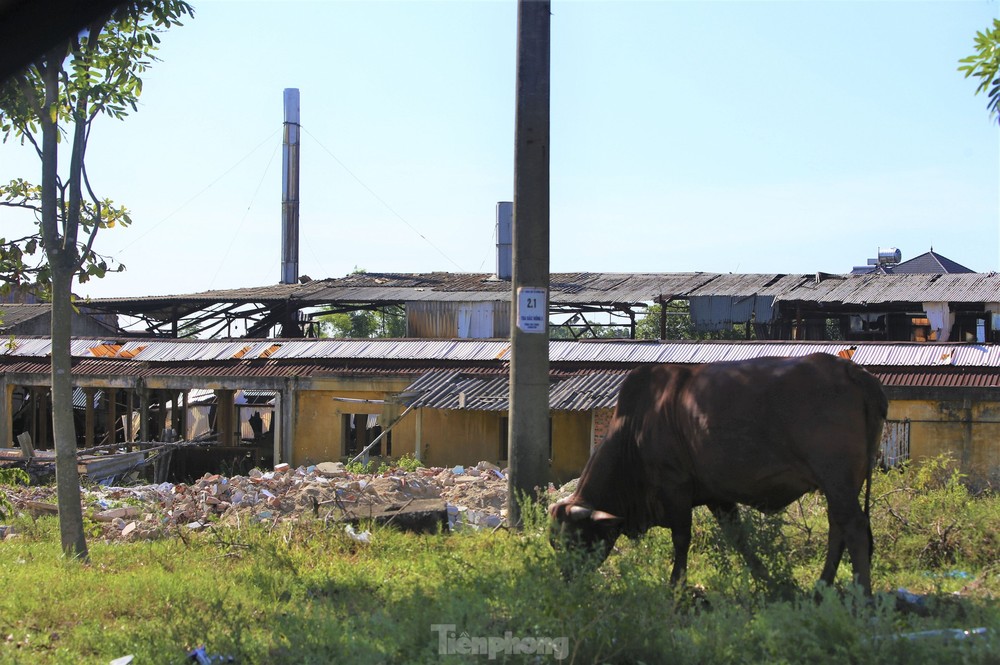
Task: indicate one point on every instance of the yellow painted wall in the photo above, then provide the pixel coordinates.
(460, 437)
(968, 431)
(570, 444)
(318, 420)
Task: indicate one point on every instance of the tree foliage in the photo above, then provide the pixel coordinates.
(679, 325)
(363, 324)
(51, 106)
(984, 65)
(63, 92)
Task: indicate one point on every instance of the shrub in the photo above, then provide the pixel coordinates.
(10, 477)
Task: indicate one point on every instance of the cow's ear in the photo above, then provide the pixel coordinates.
(606, 519)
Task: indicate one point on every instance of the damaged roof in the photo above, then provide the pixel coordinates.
(492, 351)
(584, 287)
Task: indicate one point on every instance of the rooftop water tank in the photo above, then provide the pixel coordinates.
(889, 255)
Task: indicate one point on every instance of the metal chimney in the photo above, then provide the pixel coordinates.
(290, 190)
(505, 239)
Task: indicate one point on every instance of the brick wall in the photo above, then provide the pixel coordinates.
(602, 418)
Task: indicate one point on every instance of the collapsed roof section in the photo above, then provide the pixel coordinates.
(262, 310)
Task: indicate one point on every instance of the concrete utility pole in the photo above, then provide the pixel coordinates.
(529, 330)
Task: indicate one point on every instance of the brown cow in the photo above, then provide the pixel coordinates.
(760, 432)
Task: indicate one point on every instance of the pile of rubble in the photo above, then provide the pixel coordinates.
(475, 497)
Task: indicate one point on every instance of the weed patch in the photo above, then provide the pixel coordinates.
(302, 591)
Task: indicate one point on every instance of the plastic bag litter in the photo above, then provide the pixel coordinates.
(364, 537)
(945, 633)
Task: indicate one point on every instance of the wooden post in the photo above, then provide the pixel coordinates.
(88, 418)
(129, 428)
(224, 416)
(112, 395)
(418, 451)
(183, 420)
(45, 417)
(143, 413)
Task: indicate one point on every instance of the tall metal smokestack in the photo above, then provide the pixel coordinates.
(290, 190)
(505, 239)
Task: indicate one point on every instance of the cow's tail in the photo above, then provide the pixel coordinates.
(876, 406)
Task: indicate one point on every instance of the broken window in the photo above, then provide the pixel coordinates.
(895, 447)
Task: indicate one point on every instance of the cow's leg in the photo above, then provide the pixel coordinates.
(680, 533)
(834, 552)
(728, 516)
(847, 518)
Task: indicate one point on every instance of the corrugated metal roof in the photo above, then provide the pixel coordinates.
(876, 289)
(856, 289)
(586, 391)
(628, 352)
(473, 373)
(456, 390)
(13, 314)
(565, 288)
(461, 390)
(945, 377)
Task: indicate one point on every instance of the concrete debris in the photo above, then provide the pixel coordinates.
(475, 497)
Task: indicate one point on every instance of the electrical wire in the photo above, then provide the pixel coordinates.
(381, 200)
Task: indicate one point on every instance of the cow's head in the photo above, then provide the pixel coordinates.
(581, 535)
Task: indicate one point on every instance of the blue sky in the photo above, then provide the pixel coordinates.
(685, 136)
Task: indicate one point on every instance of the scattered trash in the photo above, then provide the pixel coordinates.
(201, 657)
(951, 574)
(910, 597)
(946, 633)
(364, 537)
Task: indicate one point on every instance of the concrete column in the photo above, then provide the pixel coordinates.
(6, 427)
(529, 365)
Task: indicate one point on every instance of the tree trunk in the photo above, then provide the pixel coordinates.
(74, 543)
(62, 261)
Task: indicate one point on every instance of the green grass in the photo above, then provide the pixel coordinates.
(302, 593)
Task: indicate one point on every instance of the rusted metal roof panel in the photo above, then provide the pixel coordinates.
(486, 351)
(946, 377)
(176, 350)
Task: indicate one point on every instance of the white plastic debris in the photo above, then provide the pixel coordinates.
(945, 633)
(364, 537)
